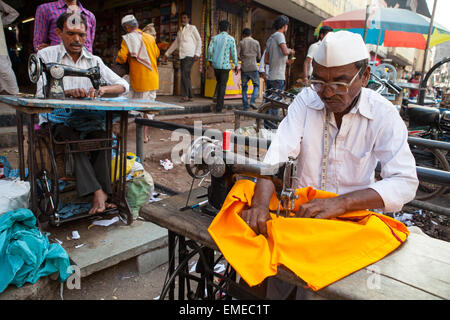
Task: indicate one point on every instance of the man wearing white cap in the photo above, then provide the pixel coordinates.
(139, 49)
(339, 130)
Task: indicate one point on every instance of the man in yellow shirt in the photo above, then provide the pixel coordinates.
(139, 49)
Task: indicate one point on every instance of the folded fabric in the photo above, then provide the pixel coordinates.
(25, 253)
(319, 251)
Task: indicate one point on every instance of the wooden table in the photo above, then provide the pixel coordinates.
(419, 269)
(30, 106)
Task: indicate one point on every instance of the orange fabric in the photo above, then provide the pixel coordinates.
(319, 251)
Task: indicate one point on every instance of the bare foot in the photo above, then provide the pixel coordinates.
(98, 202)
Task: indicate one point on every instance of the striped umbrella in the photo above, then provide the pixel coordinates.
(390, 27)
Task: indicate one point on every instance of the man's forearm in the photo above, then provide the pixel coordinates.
(333, 207)
(362, 200)
(113, 89)
(263, 192)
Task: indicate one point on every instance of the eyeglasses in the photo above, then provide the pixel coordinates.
(337, 87)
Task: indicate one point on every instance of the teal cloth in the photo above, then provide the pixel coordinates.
(25, 253)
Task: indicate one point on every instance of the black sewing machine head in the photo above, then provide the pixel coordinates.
(55, 73)
(206, 156)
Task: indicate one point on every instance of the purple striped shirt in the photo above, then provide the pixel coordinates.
(45, 24)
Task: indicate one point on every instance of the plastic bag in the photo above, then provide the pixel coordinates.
(14, 195)
(139, 191)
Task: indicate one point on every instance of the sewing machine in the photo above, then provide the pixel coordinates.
(208, 156)
(55, 73)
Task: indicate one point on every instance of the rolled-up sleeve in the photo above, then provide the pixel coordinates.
(111, 78)
(398, 167)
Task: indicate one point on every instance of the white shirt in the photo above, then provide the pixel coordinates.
(263, 68)
(188, 42)
(372, 131)
(311, 51)
(58, 54)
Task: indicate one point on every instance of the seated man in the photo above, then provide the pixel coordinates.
(70, 125)
(339, 130)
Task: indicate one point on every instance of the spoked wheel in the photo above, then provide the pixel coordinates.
(46, 176)
(199, 276)
(434, 159)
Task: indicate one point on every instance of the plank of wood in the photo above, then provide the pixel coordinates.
(193, 225)
(419, 269)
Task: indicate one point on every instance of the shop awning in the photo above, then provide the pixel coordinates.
(301, 10)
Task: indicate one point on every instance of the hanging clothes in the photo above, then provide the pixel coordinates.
(319, 251)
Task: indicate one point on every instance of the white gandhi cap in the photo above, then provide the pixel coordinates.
(341, 48)
(128, 18)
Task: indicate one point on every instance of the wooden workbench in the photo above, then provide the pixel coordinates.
(419, 269)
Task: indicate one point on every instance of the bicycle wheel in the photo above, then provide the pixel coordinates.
(434, 159)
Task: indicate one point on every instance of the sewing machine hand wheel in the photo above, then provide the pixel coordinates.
(386, 71)
(193, 158)
(34, 68)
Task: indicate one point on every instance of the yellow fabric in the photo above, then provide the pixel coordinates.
(142, 78)
(319, 251)
(131, 158)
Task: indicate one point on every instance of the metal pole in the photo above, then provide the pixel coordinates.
(365, 25)
(140, 141)
(422, 87)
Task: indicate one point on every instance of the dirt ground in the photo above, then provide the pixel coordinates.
(123, 281)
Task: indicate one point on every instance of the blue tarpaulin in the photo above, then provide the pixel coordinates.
(25, 253)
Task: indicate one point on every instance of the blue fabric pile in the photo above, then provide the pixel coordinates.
(25, 253)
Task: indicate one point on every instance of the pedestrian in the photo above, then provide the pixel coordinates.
(45, 23)
(249, 52)
(413, 93)
(263, 68)
(307, 65)
(276, 57)
(150, 29)
(140, 51)
(221, 48)
(189, 45)
(8, 81)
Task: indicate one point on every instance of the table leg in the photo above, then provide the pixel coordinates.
(172, 244)
(140, 141)
(20, 145)
(182, 252)
(31, 163)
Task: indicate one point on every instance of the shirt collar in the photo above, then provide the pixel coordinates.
(84, 53)
(362, 105)
(61, 4)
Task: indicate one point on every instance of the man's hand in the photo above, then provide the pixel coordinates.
(164, 58)
(322, 208)
(236, 70)
(42, 46)
(94, 94)
(196, 58)
(76, 93)
(256, 217)
(292, 53)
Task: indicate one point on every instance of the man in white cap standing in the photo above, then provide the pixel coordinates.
(139, 49)
(338, 131)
